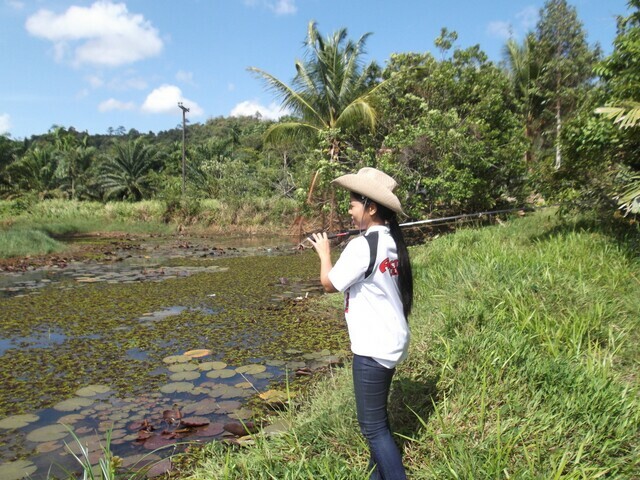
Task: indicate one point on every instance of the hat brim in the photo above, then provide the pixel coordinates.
(358, 184)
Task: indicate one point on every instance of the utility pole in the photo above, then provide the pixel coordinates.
(184, 136)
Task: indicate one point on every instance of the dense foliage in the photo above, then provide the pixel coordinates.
(460, 132)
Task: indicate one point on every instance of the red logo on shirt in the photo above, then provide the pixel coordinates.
(391, 265)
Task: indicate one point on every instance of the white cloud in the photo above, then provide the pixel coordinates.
(284, 7)
(184, 77)
(528, 17)
(249, 108)
(128, 83)
(279, 7)
(500, 29)
(95, 81)
(103, 34)
(5, 123)
(15, 4)
(165, 98)
(113, 104)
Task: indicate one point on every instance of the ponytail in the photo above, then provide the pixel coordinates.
(405, 275)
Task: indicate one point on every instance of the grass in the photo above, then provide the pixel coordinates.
(523, 364)
(32, 227)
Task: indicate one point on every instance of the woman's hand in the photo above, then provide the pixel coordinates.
(322, 247)
(321, 244)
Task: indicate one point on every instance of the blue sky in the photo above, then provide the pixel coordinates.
(110, 63)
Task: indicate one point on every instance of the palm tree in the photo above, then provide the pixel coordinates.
(330, 93)
(126, 174)
(35, 171)
(524, 70)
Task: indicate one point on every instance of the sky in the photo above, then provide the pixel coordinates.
(100, 64)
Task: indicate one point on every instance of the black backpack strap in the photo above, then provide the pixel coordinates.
(372, 240)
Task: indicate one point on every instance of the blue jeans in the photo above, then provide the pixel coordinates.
(371, 382)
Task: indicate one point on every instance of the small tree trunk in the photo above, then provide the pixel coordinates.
(558, 130)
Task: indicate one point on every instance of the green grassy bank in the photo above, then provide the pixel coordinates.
(523, 365)
(32, 227)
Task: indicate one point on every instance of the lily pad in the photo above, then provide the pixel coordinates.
(251, 369)
(93, 390)
(72, 404)
(274, 396)
(182, 367)
(210, 430)
(177, 387)
(47, 447)
(180, 376)
(48, 433)
(18, 421)
(228, 406)
(197, 353)
(176, 359)
(206, 406)
(71, 418)
(225, 373)
(241, 414)
(17, 470)
(212, 366)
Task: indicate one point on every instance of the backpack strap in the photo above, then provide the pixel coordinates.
(372, 240)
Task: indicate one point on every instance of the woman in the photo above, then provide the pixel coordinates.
(374, 273)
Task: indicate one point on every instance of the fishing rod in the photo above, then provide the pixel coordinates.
(348, 233)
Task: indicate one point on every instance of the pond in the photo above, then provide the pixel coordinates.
(158, 342)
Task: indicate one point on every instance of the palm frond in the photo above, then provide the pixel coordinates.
(626, 115)
(289, 97)
(289, 131)
(359, 111)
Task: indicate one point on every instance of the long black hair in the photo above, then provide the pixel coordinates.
(405, 275)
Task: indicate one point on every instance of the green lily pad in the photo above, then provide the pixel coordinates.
(93, 390)
(176, 359)
(225, 373)
(242, 414)
(18, 421)
(212, 366)
(177, 387)
(180, 376)
(48, 433)
(17, 470)
(72, 404)
(182, 367)
(251, 369)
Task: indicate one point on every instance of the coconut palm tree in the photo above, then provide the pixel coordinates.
(524, 70)
(330, 93)
(126, 174)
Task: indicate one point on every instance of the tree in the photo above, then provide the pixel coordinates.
(330, 94)
(568, 63)
(125, 175)
(35, 171)
(524, 69)
(620, 73)
(452, 135)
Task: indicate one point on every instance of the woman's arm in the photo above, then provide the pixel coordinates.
(322, 247)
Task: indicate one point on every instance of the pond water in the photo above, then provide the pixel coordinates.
(159, 342)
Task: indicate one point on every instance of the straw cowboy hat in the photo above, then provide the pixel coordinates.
(373, 184)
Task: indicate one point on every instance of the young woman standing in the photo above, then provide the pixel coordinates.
(374, 272)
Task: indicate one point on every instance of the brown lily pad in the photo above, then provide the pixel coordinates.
(198, 353)
(211, 430)
(193, 422)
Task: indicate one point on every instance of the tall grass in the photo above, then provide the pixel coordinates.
(29, 227)
(523, 364)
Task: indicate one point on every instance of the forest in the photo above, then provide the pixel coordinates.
(554, 122)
